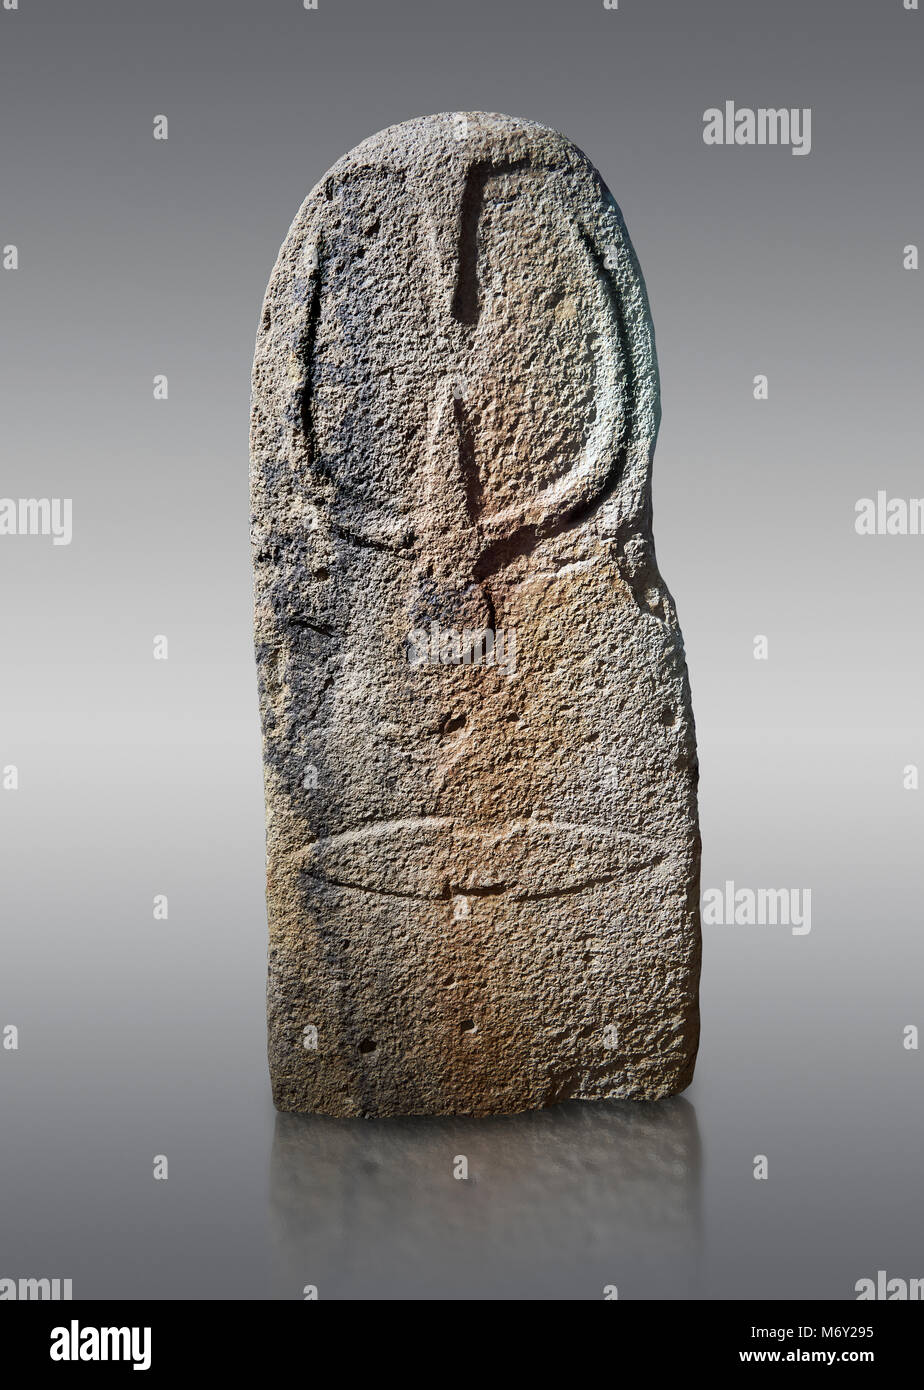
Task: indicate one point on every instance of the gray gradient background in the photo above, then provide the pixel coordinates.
(141, 777)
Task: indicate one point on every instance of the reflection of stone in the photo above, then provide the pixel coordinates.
(455, 408)
(557, 1204)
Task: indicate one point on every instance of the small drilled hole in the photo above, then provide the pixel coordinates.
(467, 1025)
(367, 1045)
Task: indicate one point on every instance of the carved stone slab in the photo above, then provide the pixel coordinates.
(480, 765)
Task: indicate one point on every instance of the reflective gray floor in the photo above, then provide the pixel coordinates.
(559, 1202)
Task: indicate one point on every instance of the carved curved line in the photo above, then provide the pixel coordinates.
(601, 465)
(378, 828)
(517, 897)
(516, 530)
(381, 829)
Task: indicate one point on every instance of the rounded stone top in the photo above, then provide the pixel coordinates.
(432, 140)
(476, 265)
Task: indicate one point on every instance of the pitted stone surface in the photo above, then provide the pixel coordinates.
(483, 873)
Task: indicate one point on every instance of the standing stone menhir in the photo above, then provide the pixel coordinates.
(482, 841)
